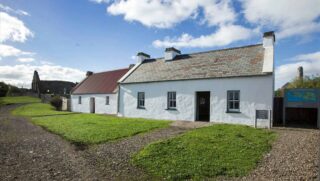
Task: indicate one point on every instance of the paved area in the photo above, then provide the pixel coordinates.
(28, 152)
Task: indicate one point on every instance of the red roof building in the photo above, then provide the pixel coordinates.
(100, 83)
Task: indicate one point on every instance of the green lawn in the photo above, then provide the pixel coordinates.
(18, 99)
(218, 150)
(86, 128)
(37, 109)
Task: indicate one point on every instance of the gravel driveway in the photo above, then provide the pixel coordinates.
(27, 152)
(294, 156)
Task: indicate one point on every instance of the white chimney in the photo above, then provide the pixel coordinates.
(268, 45)
(142, 56)
(171, 53)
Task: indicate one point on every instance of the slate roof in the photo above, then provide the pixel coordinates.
(100, 83)
(232, 62)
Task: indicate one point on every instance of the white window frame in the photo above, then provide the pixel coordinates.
(171, 100)
(233, 100)
(141, 100)
(79, 100)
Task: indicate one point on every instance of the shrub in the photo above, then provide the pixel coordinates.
(12, 90)
(56, 102)
(3, 89)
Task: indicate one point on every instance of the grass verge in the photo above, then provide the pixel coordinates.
(18, 99)
(38, 109)
(218, 150)
(86, 128)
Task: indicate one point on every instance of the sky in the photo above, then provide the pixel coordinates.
(63, 39)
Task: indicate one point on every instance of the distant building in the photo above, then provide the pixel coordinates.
(97, 93)
(50, 86)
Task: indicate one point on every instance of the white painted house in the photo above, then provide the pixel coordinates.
(97, 93)
(227, 85)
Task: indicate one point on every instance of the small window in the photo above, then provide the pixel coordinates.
(172, 100)
(79, 100)
(140, 99)
(233, 101)
(107, 100)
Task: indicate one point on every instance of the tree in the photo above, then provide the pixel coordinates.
(56, 102)
(3, 89)
(305, 82)
(12, 90)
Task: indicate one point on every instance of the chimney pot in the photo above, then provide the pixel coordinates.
(170, 53)
(131, 65)
(268, 39)
(142, 56)
(89, 73)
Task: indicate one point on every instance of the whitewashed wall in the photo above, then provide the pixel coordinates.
(255, 93)
(100, 106)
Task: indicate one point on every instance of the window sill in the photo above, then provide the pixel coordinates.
(171, 109)
(141, 108)
(237, 112)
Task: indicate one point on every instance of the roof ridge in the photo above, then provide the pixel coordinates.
(209, 51)
(224, 49)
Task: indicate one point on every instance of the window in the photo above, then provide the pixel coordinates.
(140, 99)
(79, 100)
(233, 101)
(107, 100)
(172, 100)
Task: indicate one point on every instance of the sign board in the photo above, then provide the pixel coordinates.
(302, 98)
(262, 114)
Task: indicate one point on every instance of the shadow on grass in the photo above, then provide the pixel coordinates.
(48, 115)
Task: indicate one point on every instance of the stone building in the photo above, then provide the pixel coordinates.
(50, 86)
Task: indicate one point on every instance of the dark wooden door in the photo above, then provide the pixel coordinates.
(92, 105)
(203, 106)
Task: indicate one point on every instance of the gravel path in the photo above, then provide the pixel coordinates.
(27, 152)
(294, 156)
(114, 157)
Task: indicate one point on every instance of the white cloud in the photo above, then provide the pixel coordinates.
(44, 62)
(10, 10)
(166, 13)
(13, 29)
(218, 13)
(26, 60)
(288, 17)
(225, 35)
(21, 75)
(100, 1)
(287, 72)
(10, 51)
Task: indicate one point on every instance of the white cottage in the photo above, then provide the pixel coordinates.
(227, 85)
(97, 93)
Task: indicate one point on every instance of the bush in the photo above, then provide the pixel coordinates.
(13, 90)
(56, 102)
(3, 89)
